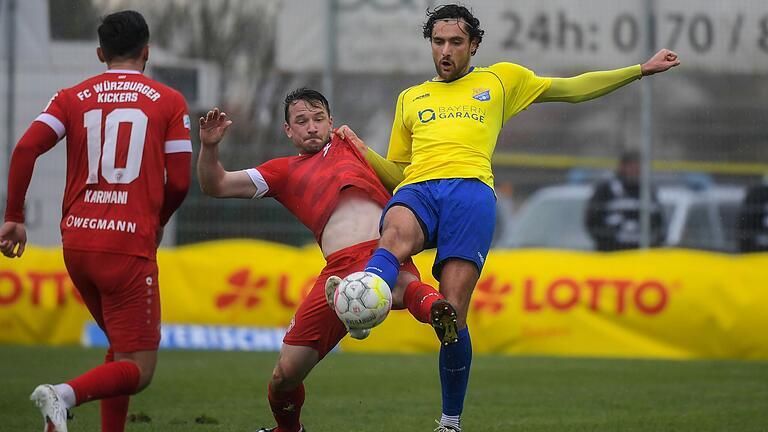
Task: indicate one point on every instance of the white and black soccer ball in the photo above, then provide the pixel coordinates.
(362, 300)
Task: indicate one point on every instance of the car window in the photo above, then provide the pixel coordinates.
(698, 231)
(557, 224)
(729, 214)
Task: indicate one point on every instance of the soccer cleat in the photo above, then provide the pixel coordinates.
(51, 407)
(359, 333)
(331, 284)
(443, 428)
(443, 319)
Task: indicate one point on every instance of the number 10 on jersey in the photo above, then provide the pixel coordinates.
(111, 125)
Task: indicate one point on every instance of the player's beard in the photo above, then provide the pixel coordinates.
(455, 71)
(315, 145)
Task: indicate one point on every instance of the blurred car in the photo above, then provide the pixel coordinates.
(702, 217)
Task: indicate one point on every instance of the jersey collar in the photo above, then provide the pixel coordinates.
(123, 71)
(471, 68)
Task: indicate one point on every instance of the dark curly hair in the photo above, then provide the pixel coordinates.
(453, 11)
(312, 97)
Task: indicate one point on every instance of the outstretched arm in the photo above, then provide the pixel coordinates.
(595, 84)
(214, 179)
(390, 173)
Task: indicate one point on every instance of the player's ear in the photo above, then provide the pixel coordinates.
(330, 120)
(287, 130)
(100, 55)
(473, 47)
(145, 53)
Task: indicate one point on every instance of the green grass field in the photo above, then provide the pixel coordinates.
(350, 392)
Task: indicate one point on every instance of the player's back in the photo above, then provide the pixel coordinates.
(119, 126)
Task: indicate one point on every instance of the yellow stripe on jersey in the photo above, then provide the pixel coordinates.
(449, 129)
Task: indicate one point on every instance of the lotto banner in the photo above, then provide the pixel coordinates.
(241, 295)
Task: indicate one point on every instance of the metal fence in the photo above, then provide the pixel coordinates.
(708, 125)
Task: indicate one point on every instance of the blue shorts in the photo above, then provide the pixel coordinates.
(457, 216)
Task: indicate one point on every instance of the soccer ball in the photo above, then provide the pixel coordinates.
(362, 300)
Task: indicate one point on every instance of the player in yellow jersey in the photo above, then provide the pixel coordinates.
(439, 159)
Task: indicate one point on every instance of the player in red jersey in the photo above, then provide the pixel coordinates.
(128, 170)
(331, 188)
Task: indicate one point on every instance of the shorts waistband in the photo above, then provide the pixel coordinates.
(353, 251)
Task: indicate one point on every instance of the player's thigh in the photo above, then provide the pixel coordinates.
(130, 296)
(409, 222)
(78, 266)
(467, 221)
(315, 324)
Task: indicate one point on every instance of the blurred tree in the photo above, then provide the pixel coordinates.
(82, 19)
(238, 36)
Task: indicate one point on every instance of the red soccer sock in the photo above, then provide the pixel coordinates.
(286, 408)
(418, 298)
(114, 410)
(120, 378)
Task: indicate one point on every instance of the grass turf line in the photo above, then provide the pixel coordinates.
(226, 391)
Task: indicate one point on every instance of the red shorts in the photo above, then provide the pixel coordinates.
(315, 324)
(122, 294)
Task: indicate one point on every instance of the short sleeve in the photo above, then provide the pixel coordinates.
(401, 138)
(55, 114)
(521, 87)
(177, 139)
(269, 177)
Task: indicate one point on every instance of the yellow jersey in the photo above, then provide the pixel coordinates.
(449, 129)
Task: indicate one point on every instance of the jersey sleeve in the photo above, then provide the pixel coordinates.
(521, 87)
(268, 177)
(177, 138)
(401, 138)
(590, 85)
(55, 114)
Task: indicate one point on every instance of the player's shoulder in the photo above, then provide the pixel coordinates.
(414, 90)
(508, 69)
(278, 163)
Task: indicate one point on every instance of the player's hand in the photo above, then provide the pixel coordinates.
(13, 238)
(660, 62)
(346, 133)
(213, 126)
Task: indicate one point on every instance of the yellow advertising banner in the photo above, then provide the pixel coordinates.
(242, 295)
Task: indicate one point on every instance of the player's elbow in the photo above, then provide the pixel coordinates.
(209, 188)
(178, 185)
(213, 189)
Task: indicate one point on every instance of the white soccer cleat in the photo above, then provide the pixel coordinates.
(359, 333)
(331, 284)
(443, 428)
(51, 407)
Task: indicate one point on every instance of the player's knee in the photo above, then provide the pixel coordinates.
(396, 240)
(283, 379)
(145, 379)
(146, 373)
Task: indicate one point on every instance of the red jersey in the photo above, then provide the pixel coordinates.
(119, 127)
(309, 185)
